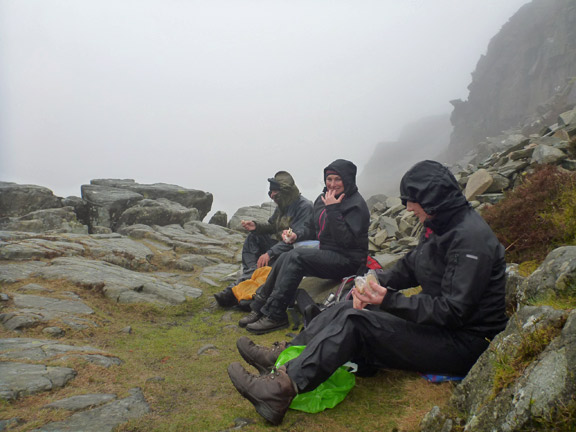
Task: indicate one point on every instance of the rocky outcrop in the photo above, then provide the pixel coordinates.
(106, 206)
(525, 79)
(18, 200)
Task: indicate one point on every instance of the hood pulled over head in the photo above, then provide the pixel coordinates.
(347, 172)
(433, 186)
(287, 190)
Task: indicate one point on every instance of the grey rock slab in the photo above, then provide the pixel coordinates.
(117, 283)
(21, 379)
(220, 271)
(187, 260)
(34, 288)
(37, 249)
(52, 304)
(15, 272)
(81, 402)
(104, 418)
(214, 231)
(43, 349)
(177, 233)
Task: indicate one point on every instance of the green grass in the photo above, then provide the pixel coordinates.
(188, 387)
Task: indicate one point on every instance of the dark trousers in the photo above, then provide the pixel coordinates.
(277, 294)
(254, 246)
(379, 339)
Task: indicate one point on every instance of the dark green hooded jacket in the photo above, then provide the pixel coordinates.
(293, 211)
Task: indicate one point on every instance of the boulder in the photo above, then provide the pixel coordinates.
(61, 219)
(525, 400)
(254, 213)
(545, 154)
(18, 200)
(106, 204)
(477, 184)
(219, 218)
(158, 212)
(189, 198)
(556, 276)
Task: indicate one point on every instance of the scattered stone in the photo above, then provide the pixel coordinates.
(34, 288)
(156, 379)
(104, 418)
(21, 379)
(54, 331)
(477, 184)
(81, 402)
(205, 348)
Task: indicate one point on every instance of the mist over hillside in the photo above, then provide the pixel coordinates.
(422, 139)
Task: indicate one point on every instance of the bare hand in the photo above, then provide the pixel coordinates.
(263, 260)
(329, 198)
(374, 295)
(248, 225)
(289, 236)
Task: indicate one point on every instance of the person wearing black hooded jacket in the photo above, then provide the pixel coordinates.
(459, 265)
(341, 218)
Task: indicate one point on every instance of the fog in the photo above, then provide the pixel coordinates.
(218, 95)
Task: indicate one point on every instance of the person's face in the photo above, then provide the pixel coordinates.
(418, 211)
(334, 183)
(273, 194)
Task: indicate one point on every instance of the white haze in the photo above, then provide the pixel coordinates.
(218, 95)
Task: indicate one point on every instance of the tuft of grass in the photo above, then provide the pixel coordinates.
(561, 418)
(508, 367)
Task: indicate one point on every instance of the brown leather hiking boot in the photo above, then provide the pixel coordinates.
(266, 325)
(252, 317)
(270, 394)
(262, 358)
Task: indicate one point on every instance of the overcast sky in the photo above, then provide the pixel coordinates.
(218, 95)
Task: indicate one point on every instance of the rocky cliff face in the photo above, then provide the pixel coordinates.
(524, 80)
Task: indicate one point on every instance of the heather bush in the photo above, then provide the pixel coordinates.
(537, 216)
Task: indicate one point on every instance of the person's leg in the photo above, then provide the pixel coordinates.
(300, 263)
(254, 246)
(382, 340)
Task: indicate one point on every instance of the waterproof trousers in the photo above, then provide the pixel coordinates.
(254, 246)
(381, 340)
(277, 294)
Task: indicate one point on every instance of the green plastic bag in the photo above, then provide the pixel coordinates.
(328, 394)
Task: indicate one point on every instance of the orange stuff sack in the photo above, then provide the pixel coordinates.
(246, 290)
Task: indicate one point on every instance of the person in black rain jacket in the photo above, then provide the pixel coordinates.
(460, 266)
(341, 218)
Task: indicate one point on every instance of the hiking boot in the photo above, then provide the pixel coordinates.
(266, 325)
(270, 394)
(252, 317)
(262, 358)
(226, 298)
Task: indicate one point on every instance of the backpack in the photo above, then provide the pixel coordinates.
(309, 309)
